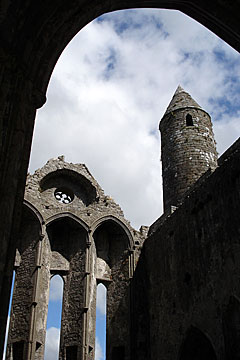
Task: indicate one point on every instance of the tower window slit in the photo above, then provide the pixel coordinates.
(189, 120)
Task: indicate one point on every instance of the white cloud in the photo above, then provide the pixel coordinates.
(226, 132)
(110, 88)
(98, 350)
(101, 298)
(52, 344)
(56, 288)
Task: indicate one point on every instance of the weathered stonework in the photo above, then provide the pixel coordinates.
(70, 228)
(188, 147)
(191, 263)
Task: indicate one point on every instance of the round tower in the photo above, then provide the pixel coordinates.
(187, 144)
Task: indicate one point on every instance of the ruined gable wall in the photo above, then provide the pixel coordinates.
(82, 236)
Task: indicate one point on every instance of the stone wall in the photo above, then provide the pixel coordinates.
(80, 234)
(192, 262)
(23, 304)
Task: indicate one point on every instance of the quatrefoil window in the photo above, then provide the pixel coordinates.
(64, 195)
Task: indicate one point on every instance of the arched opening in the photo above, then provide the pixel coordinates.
(54, 318)
(112, 267)
(67, 242)
(231, 326)
(101, 319)
(189, 120)
(133, 101)
(68, 184)
(62, 231)
(112, 244)
(197, 346)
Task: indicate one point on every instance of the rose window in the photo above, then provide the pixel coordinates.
(64, 196)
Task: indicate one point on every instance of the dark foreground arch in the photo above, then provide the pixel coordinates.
(33, 36)
(196, 346)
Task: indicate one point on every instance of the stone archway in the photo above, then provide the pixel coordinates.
(196, 346)
(33, 36)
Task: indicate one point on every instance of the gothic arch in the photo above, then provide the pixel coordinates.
(30, 219)
(34, 212)
(70, 216)
(79, 184)
(67, 236)
(61, 24)
(111, 218)
(196, 346)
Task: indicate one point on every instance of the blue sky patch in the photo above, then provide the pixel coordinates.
(110, 61)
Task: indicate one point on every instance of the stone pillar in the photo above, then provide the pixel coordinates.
(18, 103)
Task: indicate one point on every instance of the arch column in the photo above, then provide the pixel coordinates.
(18, 104)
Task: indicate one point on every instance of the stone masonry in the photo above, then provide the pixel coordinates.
(188, 147)
(70, 228)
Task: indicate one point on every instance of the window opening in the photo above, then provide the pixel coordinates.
(64, 195)
(189, 120)
(54, 318)
(9, 314)
(100, 341)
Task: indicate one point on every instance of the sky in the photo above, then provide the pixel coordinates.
(109, 90)
(54, 320)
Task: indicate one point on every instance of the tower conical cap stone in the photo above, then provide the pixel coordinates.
(181, 99)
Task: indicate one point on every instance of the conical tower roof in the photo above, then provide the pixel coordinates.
(181, 99)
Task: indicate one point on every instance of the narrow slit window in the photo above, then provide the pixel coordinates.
(54, 318)
(189, 120)
(100, 341)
